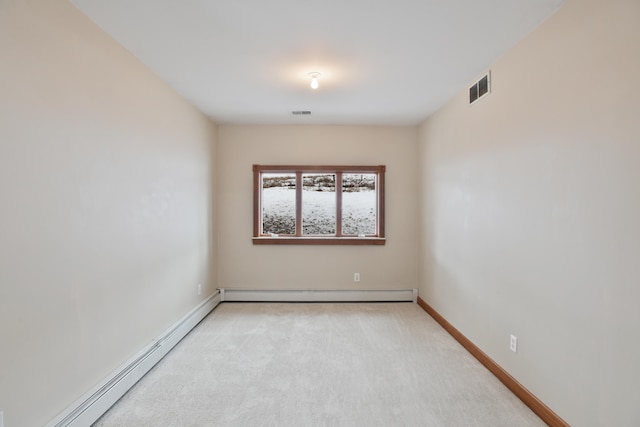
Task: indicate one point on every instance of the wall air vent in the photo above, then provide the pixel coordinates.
(480, 88)
(301, 113)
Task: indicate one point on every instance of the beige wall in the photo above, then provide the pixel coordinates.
(530, 208)
(106, 207)
(243, 265)
(516, 215)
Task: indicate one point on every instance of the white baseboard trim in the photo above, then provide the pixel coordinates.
(247, 295)
(86, 410)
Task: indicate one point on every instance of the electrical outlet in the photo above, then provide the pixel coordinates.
(1, 419)
(356, 277)
(513, 343)
(199, 288)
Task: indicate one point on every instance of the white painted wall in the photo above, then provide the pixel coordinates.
(243, 265)
(530, 212)
(106, 207)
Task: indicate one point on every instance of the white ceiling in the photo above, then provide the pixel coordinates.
(382, 61)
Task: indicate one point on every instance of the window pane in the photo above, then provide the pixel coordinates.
(318, 204)
(359, 203)
(278, 203)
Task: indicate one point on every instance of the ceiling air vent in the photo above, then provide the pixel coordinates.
(479, 89)
(301, 113)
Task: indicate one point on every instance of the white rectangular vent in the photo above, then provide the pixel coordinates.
(301, 113)
(479, 89)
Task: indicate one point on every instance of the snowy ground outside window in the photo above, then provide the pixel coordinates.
(358, 206)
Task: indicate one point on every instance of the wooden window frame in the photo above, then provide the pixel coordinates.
(299, 239)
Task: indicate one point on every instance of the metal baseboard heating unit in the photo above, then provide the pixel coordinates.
(246, 295)
(86, 410)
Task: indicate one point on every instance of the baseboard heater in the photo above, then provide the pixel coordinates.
(86, 410)
(248, 295)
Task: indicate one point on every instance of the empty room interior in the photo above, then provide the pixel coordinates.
(136, 138)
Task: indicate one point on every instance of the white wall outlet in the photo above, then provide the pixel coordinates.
(1, 419)
(513, 343)
(356, 277)
(199, 288)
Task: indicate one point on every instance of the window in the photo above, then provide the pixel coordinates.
(340, 205)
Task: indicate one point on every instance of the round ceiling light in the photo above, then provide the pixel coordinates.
(314, 79)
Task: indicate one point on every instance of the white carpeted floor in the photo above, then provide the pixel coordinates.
(272, 364)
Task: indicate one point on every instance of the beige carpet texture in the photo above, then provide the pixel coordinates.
(319, 364)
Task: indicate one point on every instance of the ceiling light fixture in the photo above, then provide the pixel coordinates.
(314, 80)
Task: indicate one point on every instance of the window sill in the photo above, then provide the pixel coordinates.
(319, 241)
